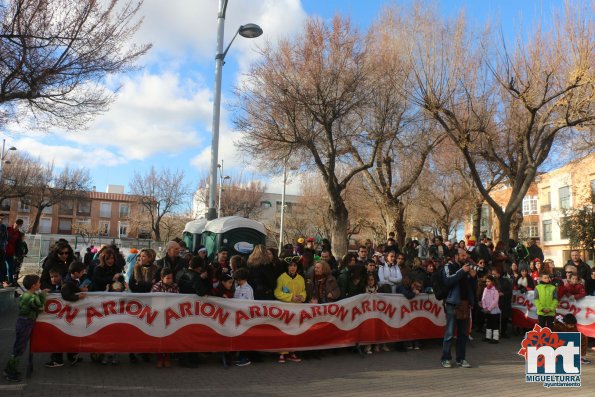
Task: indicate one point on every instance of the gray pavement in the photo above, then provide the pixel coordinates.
(496, 371)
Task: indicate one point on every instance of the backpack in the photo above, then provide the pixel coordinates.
(440, 289)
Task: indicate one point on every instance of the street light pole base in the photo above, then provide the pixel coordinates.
(212, 214)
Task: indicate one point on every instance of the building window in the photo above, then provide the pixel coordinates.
(5, 205)
(24, 206)
(123, 229)
(547, 230)
(530, 205)
(564, 194)
(66, 207)
(530, 230)
(105, 210)
(45, 225)
(47, 210)
(124, 210)
(84, 207)
(103, 228)
(65, 226)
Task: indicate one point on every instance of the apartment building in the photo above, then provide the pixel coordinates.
(544, 206)
(560, 190)
(107, 214)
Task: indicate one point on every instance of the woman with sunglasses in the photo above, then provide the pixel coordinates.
(59, 258)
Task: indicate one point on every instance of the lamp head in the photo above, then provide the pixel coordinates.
(250, 30)
(12, 148)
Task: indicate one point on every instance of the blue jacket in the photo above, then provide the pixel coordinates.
(452, 274)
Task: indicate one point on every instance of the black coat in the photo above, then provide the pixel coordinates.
(262, 280)
(190, 282)
(104, 276)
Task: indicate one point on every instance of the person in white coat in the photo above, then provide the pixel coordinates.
(389, 274)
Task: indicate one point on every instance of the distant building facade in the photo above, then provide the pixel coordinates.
(97, 213)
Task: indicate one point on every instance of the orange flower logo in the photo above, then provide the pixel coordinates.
(537, 338)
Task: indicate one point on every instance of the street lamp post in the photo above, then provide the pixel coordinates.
(3, 156)
(221, 179)
(249, 30)
(282, 207)
(283, 203)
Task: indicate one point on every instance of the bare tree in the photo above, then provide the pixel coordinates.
(239, 196)
(56, 54)
(172, 225)
(19, 176)
(303, 97)
(160, 193)
(507, 108)
(53, 187)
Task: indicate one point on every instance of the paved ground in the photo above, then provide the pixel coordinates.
(497, 370)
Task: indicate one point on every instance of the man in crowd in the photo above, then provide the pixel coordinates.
(583, 270)
(534, 250)
(172, 259)
(461, 281)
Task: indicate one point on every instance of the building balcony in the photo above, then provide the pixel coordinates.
(546, 208)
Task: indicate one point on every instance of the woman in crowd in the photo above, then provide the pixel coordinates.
(262, 277)
(144, 275)
(59, 259)
(322, 287)
(107, 272)
(145, 272)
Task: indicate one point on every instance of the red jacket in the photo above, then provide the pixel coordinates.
(13, 238)
(576, 290)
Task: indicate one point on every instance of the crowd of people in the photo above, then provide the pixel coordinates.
(475, 281)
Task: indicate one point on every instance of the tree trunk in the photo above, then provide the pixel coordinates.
(157, 232)
(477, 221)
(396, 221)
(504, 230)
(339, 227)
(36, 221)
(516, 223)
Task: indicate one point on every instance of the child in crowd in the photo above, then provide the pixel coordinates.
(30, 305)
(525, 282)
(225, 288)
(371, 288)
(56, 359)
(243, 291)
(236, 262)
(371, 284)
(166, 285)
(489, 303)
(546, 301)
(291, 288)
(573, 288)
(72, 291)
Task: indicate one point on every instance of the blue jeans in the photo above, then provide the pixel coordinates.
(462, 326)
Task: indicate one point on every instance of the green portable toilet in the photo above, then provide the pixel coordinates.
(238, 234)
(192, 234)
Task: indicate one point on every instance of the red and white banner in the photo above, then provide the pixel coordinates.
(524, 313)
(119, 322)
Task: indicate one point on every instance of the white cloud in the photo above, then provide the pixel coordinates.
(62, 155)
(179, 26)
(152, 114)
